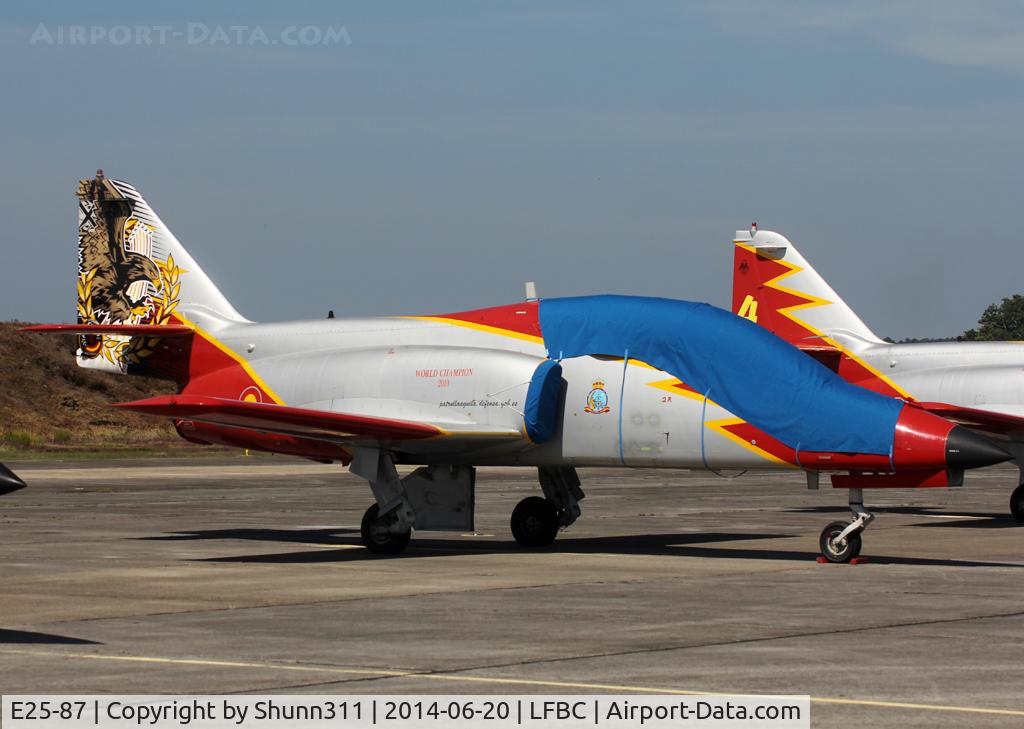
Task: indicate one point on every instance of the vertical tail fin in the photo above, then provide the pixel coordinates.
(774, 286)
(132, 270)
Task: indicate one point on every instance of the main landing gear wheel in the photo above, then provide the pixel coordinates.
(534, 522)
(377, 535)
(839, 550)
(1017, 503)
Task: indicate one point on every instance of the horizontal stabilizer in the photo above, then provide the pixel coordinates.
(281, 418)
(127, 330)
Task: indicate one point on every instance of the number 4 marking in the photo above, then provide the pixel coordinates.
(748, 309)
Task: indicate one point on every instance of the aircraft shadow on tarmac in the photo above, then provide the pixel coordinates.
(27, 637)
(305, 536)
(969, 520)
(672, 544)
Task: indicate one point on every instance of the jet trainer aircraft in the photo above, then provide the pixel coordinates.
(552, 384)
(979, 385)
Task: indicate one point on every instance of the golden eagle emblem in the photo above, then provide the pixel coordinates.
(119, 279)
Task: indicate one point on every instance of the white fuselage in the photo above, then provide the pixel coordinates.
(982, 375)
(464, 379)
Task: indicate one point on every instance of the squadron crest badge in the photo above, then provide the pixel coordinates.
(597, 399)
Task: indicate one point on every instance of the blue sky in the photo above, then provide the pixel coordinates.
(450, 151)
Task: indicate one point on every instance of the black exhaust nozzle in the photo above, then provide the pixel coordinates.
(967, 449)
(9, 481)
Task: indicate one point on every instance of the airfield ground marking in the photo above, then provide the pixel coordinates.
(385, 673)
(214, 663)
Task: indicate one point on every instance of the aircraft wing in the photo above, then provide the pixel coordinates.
(303, 422)
(987, 420)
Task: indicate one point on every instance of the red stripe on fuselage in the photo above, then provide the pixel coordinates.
(201, 366)
(812, 460)
(521, 318)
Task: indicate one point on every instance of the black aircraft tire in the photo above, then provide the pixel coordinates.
(376, 536)
(849, 551)
(1017, 503)
(534, 522)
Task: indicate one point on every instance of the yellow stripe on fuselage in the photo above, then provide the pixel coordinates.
(479, 327)
(233, 355)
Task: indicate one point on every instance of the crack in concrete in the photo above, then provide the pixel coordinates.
(714, 644)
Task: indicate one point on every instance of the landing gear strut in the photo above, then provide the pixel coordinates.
(841, 541)
(436, 497)
(1017, 503)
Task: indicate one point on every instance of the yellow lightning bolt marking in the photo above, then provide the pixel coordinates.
(671, 386)
(718, 426)
(810, 302)
(721, 427)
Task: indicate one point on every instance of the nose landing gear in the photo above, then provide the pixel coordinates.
(837, 548)
(840, 541)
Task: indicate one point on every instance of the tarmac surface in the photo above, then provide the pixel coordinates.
(247, 575)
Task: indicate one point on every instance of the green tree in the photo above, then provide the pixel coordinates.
(1000, 322)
